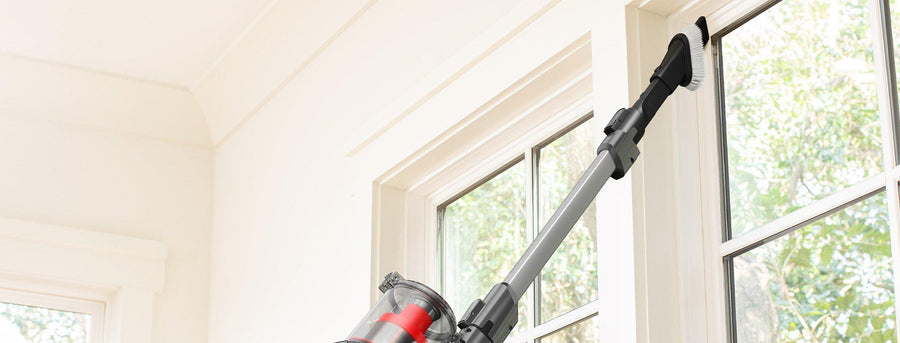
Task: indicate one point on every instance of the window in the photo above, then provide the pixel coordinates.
(36, 318)
(809, 175)
(485, 229)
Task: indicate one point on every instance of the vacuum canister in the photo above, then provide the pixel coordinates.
(408, 312)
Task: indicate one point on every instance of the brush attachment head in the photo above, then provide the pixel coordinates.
(697, 36)
(683, 63)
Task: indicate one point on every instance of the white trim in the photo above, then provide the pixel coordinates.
(89, 240)
(888, 138)
(531, 222)
(90, 257)
(803, 216)
(509, 152)
(697, 183)
(124, 273)
(192, 86)
(558, 323)
(893, 174)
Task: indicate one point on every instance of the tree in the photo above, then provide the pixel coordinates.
(802, 122)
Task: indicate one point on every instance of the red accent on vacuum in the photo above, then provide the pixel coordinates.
(413, 319)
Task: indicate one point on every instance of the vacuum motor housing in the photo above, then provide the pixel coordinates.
(408, 312)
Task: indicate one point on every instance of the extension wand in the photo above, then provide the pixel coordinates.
(410, 312)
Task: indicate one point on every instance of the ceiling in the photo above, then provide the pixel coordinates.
(166, 41)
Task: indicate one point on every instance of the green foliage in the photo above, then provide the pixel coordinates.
(828, 282)
(42, 325)
(801, 107)
(802, 122)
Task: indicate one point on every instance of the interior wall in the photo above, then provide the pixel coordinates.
(293, 202)
(275, 245)
(70, 159)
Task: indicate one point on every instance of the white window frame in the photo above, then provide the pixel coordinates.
(96, 309)
(55, 263)
(699, 180)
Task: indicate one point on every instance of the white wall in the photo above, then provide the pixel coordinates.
(96, 152)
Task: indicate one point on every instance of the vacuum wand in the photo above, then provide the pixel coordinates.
(410, 312)
(490, 320)
(616, 153)
(541, 249)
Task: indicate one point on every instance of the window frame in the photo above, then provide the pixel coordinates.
(96, 309)
(572, 74)
(531, 157)
(702, 181)
(124, 273)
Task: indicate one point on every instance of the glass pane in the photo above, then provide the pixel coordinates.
(27, 324)
(484, 234)
(800, 107)
(570, 278)
(585, 331)
(830, 281)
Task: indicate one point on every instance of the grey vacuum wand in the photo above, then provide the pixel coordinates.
(490, 320)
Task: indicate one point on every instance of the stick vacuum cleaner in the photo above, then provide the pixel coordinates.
(410, 312)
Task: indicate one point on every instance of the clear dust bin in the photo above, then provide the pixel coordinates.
(408, 312)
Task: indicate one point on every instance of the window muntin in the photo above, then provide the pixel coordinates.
(801, 107)
(570, 279)
(893, 22)
(583, 331)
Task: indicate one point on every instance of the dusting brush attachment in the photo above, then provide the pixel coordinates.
(682, 66)
(683, 63)
(697, 36)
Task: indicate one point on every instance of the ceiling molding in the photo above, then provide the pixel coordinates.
(233, 44)
(95, 71)
(269, 57)
(88, 98)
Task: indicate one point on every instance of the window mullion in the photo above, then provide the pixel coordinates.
(886, 84)
(531, 163)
